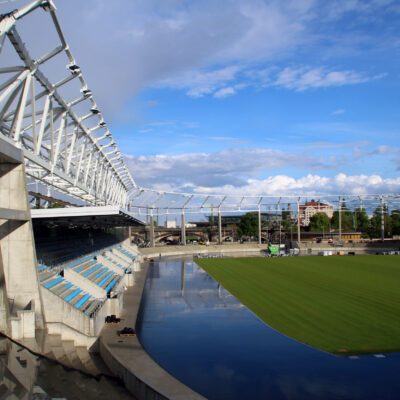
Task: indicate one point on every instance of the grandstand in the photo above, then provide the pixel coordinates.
(84, 265)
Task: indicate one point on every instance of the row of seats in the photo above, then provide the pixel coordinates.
(70, 293)
(54, 251)
(96, 272)
(125, 252)
(89, 267)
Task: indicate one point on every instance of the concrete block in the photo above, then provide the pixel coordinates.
(16, 328)
(129, 280)
(114, 306)
(27, 322)
(85, 284)
(122, 256)
(111, 266)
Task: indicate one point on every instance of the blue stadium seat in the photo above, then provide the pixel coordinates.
(82, 301)
(53, 283)
(72, 295)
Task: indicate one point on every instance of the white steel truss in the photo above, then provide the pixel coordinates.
(64, 149)
(152, 202)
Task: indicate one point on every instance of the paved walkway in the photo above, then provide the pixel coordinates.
(129, 361)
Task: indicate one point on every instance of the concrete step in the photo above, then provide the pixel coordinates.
(53, 347)
(89, 365)
(71, 353)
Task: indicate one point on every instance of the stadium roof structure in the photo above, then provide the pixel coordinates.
(95, 217)
(67, 145)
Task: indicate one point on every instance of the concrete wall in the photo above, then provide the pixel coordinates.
(242, 249)
(58, 310)
(68, 333)
(16, 237)
(125, 258)
(141, 389)
(85, 284)
(23, 325)
(64, 319)
(372, 247)
(115, 305)
(98, 320)
(111, 266)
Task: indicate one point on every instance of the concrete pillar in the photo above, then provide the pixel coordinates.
(259, 225)
(298, 222)
(18, 253)
(219, 227)
(183, 229)
(151, 231)
(4, 305)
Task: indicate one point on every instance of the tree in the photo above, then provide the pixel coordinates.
(375, 229)
(319, 222)
(347, 220)
(361, 221)
(248, 225)
(395, 222)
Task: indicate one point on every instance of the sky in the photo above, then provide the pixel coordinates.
(244, 96)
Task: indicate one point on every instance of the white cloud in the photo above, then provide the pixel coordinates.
(232, 166)
(306, 78)
(338, 112)
(224, 92)
(199, 47)
(200, 83)
(330, 145)
(309, 185)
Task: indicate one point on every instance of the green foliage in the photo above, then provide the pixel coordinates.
(375, 229)
(361, 220)
(248, 225)
(319, 222)
(330, 303)
(347, 221)
(395, 222)
(286, 222)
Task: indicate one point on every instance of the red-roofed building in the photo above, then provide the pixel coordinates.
(312, 207)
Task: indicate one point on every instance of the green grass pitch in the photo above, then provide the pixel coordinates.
(343, 305)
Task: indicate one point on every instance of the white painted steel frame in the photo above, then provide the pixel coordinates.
(60, 149)
(152, 202)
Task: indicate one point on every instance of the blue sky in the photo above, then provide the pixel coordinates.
(255, 97)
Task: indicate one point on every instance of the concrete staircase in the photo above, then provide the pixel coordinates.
(65, 352)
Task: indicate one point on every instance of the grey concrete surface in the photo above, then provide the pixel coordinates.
(127, 359)
(225, 249)
(17, 244)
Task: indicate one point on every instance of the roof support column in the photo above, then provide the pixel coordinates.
(219, 227)
(259, 225)
(298, 222)
(151, 230)
(183, 228)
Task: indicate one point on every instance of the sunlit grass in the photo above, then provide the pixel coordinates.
(338, 304)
